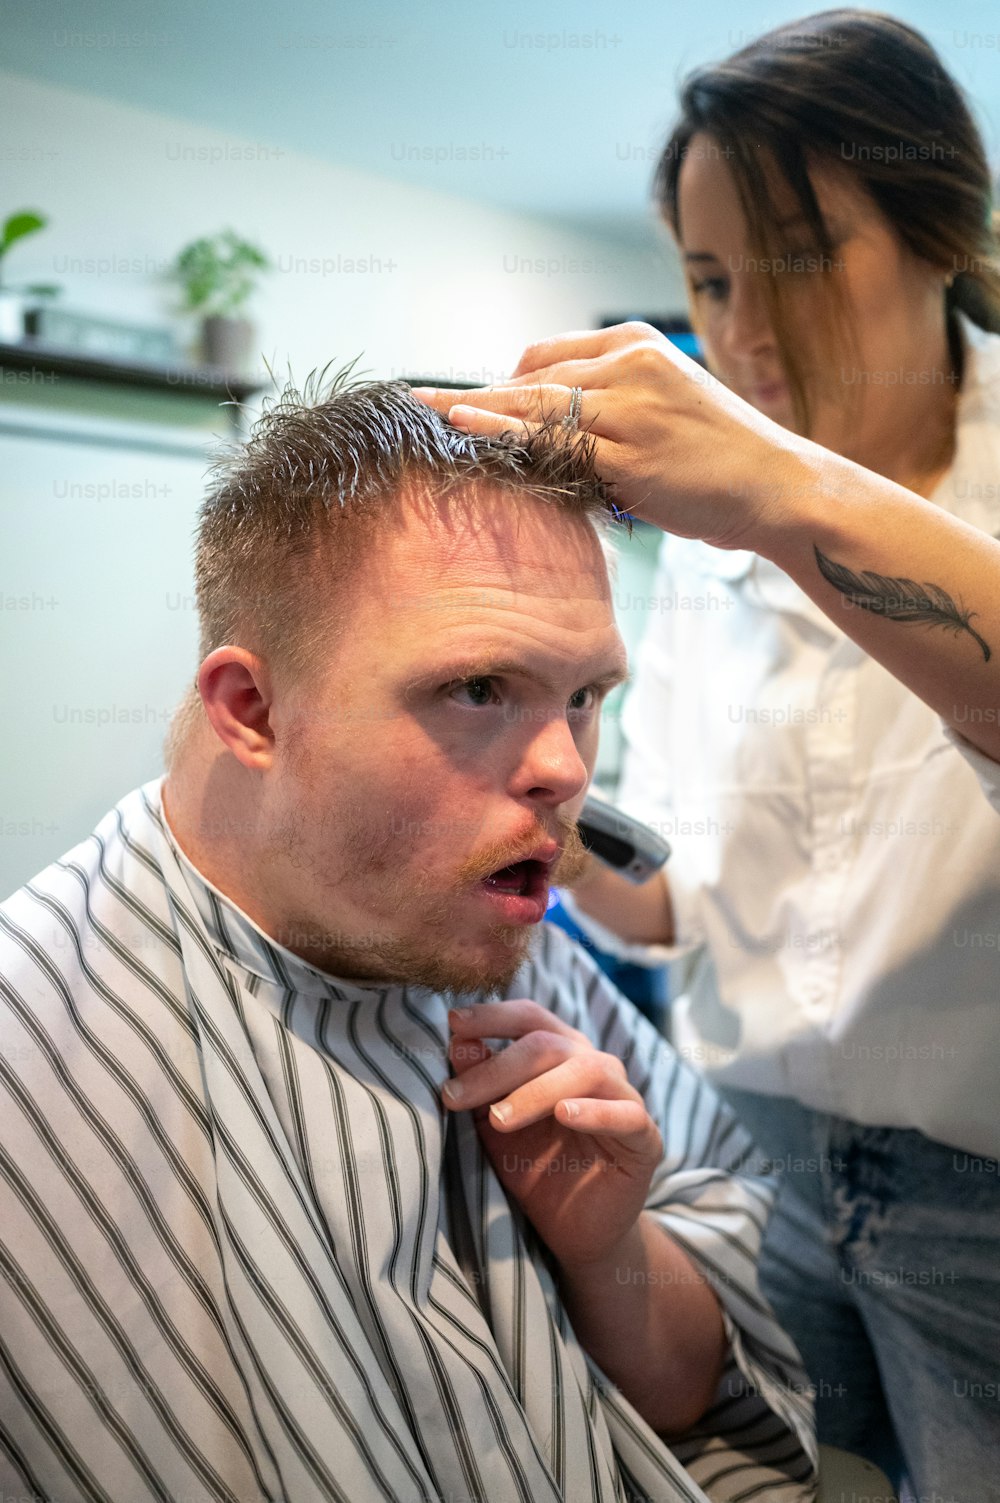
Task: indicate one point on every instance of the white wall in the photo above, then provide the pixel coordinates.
(97, 633)
(451, 285)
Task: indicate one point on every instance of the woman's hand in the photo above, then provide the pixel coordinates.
(681, 450)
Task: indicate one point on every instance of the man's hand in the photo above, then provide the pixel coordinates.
(569, 1139)
(577, 1151)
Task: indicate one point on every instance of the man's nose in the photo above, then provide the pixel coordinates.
(747, 330)
(551, 770)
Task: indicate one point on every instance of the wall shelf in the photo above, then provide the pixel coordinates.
(31, 355)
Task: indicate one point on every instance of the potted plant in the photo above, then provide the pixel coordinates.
(14, 301)
(218, 274)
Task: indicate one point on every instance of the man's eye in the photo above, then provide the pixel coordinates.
(475, 691)
(583, 700)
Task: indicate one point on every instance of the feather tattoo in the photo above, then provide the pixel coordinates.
(899, 599)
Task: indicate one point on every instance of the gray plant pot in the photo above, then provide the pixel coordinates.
(227, 343)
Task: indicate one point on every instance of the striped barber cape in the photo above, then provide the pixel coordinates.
(246, 1255)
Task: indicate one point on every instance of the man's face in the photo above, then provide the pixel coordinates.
(450, 735)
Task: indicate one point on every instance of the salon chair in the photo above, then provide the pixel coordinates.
(845, 1478)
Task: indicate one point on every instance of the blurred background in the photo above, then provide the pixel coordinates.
(195, 198)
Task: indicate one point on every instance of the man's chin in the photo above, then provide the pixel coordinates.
(489, 969)
(489, 966)
(492, 975)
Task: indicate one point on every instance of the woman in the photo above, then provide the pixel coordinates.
(835, 888)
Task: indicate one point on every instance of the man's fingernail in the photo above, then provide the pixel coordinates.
(454, 1090)
(502, 1113)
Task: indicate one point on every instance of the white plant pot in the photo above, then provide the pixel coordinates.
(12, 306)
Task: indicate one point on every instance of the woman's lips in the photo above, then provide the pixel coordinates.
(767, 393)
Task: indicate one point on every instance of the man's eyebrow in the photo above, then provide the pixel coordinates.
(699, 256)
(463, 669)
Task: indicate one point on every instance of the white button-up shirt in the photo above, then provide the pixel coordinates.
(836, 869)
(986, 770)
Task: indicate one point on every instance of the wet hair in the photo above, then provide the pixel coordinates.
(867, 94)
(290, 511)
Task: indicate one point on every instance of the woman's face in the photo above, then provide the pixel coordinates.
(900, 366)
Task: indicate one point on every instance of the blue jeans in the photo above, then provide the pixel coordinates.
(882, 1261)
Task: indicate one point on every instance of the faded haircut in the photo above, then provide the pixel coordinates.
(288, 512)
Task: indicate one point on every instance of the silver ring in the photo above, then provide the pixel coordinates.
(571, 421)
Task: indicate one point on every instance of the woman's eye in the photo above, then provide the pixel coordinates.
(713, 288)
(475, 691)
(805, 258)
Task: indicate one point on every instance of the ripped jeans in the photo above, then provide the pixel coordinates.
(882, 1261)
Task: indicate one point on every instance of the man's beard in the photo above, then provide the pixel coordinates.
(433, 958)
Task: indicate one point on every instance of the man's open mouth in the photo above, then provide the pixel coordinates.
(525, 879)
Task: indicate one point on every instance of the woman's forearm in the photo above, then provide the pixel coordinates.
(915, 588)
(639, 914)
(688, 455)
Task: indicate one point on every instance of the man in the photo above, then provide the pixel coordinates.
(274, 1222)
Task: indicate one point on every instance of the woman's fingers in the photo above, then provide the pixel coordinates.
(544, 394)
(629, 357)
(680, 448)
(489, 424)
(492, 411)
(590, 375)
(517, 409)
(535, 401)
(579, 346)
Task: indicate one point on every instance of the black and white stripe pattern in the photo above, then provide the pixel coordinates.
(245, 1255)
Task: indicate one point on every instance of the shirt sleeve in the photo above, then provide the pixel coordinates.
(986, 770)
(713, 1195)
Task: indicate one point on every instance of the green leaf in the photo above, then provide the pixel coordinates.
(19, 225)
(218, 273)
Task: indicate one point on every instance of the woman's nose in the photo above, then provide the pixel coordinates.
(747, 325)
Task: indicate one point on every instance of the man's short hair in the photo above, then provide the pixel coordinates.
(292, 508)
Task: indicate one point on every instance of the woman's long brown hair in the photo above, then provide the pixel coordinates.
(864, 93)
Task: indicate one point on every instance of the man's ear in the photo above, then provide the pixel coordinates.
(235, 688)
